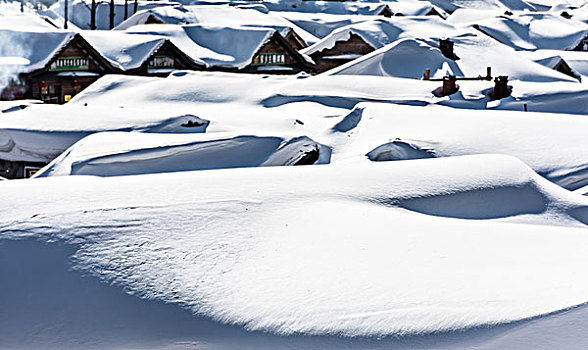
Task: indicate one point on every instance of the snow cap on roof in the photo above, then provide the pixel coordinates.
(219, 16)
(409, 57)
(123, 50)
(229, 47)
(383, 31)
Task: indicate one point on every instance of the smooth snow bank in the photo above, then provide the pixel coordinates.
(409, 58)
(533, 31)
(124, 153)
(324, 250)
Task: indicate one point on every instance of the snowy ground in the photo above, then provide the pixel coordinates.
(171, 215)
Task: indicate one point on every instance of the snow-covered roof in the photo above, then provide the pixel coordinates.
(408, 58)
(218, 16)
(123, 50)
(331, 7)
(504, 5)
(37, 45)
(383, 31)
(577, 60)
(213, 46)
(532, 31)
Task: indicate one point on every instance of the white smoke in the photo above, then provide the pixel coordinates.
(13, 51)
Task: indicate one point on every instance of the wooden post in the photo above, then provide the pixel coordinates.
(525, 106)
(488, 73)
(126, 9)
(135, 7)
(427, 74)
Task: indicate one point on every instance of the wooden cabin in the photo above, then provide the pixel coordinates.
(276, 56)
(75, 66)
(341, 53)
(165, 60)
(19, 170)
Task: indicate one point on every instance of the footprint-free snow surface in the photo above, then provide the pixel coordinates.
(331, 211)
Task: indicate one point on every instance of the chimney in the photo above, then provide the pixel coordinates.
(446, 47)
(449, 86)
(501, 88)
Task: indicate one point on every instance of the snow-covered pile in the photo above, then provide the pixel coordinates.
(324, 250)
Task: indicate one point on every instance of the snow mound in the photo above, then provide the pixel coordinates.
(291, 251)
(124, 153)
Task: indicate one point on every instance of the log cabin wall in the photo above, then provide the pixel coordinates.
(19, 170)
(327, 59)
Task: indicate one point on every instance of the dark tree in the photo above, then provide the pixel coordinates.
(93, 15)
(65, 16)
(111, 25)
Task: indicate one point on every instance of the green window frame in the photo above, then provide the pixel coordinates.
(69, 63)
(269, 59)
(161, 61)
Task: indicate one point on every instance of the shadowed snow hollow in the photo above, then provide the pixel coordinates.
(123, 153)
